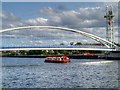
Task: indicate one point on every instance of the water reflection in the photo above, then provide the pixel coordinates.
(97, 62)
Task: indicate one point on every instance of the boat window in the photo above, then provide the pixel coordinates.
(53, 58)
(49, 58)
(57, 58)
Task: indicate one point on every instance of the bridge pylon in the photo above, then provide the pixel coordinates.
(109, 24)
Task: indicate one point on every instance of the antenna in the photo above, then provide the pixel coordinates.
(109, 24)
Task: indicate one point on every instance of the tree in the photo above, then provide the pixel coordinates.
(71, 43)
(50, 52)
(62, 44)
(78, 43)
(22, 52)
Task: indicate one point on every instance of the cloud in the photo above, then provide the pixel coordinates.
(82, 17)
(48, 11)
(37, 21)
(10, 20)
(89, 19)
(8, 16)
(79, 18)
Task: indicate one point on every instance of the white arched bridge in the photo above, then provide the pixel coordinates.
(109, 46)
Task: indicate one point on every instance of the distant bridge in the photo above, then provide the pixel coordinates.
(107, 43)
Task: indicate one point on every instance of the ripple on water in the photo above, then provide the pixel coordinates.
(76, 74)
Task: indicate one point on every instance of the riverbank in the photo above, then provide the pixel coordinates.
(70, 56)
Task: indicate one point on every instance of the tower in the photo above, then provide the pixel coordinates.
(109, 24)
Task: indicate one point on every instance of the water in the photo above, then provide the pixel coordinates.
(80, 73)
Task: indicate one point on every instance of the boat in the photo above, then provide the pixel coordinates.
(89, 54)
(57, 59)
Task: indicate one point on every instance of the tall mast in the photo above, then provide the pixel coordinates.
(109, 24)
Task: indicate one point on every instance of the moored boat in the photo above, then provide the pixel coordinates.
(57, 59)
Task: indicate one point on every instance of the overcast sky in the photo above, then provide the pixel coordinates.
(84, 16)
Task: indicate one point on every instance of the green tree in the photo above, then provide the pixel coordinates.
(78, 43)
(22, 52)
(62, 44)
(71, 43)
(50, 52)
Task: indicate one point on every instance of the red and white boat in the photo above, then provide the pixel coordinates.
(57, 59)
(89, 54)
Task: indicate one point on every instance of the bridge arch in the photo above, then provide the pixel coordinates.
(98, 39)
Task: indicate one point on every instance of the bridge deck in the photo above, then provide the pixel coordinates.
(102, 48)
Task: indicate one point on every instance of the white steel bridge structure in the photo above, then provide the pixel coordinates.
(107, 43)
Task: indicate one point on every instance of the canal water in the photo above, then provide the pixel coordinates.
(79, 73)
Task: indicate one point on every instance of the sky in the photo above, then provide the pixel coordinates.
(84, 16)
(25, 9)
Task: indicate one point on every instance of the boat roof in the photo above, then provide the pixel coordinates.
(56, 56)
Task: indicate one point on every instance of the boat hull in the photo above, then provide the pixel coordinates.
(54, 61)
